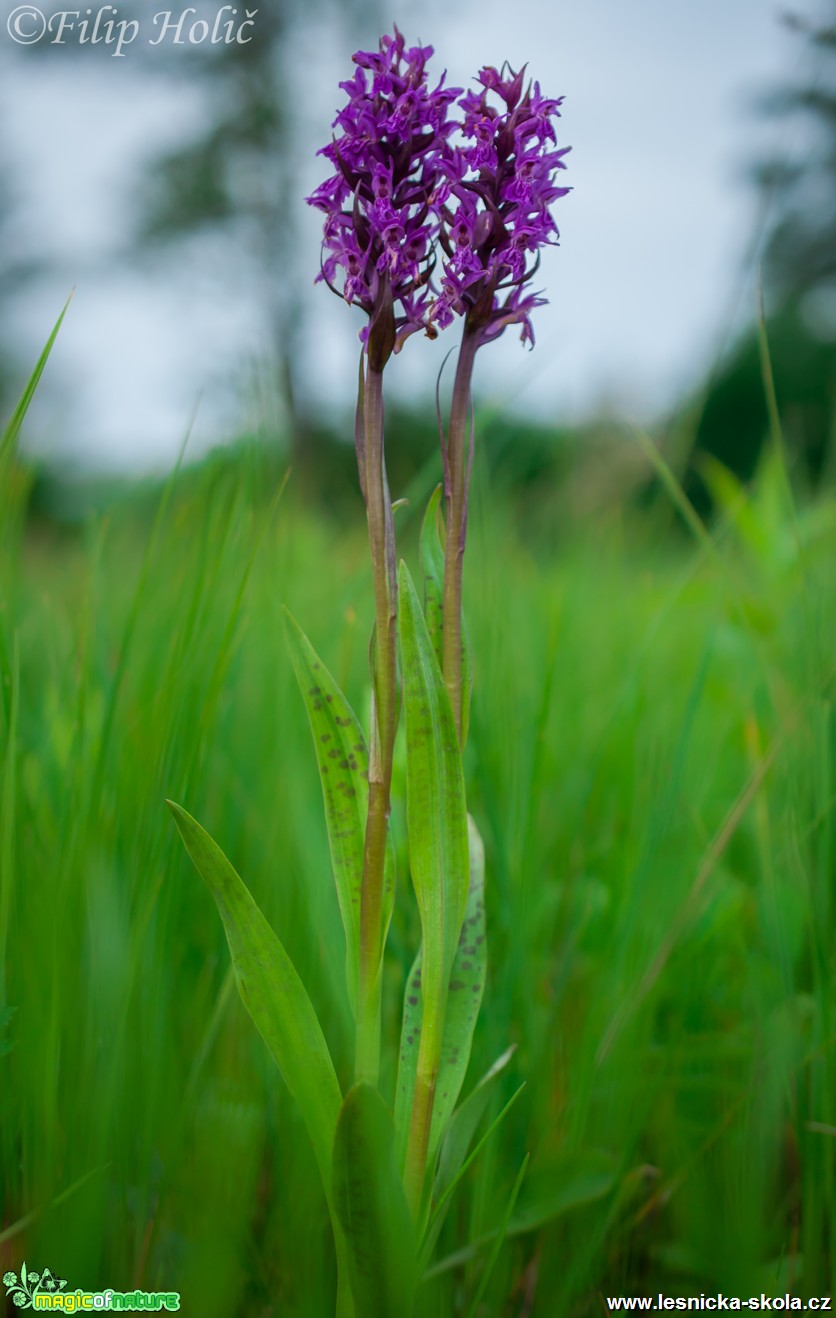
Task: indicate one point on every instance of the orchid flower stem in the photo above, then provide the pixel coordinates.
(457, 482)
(384, 720)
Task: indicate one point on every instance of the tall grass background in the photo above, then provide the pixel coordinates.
(651, 767)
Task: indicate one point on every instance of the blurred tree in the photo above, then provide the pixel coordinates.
(800, 252)
(734, 420)
(239, 177)
(799, 274)
(6, 403)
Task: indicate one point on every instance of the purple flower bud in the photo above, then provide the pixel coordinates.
(494, 206)
(380, 204)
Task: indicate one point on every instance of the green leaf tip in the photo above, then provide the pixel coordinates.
(8, 437)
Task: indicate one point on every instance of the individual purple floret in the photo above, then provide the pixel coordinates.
(495, 205)
(380, 228)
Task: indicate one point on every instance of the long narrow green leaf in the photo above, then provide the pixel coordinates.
(436, 810)
(12, 430)
(343, 760)
(466, 987)
(432, 542)
(272, 992)
(372, 1208)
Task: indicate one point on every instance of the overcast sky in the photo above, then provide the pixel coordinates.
(647, 281)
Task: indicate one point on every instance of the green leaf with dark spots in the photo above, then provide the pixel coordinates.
(372, 1208)
(272, 992)
(343, 760)
(432, 546)
(408, 1057)
(466, 987)
(432, 567)
(435, 804)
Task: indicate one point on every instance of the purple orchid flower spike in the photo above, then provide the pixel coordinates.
(380, 226)
(496, 212)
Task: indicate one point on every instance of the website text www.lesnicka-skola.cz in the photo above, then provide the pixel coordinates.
(712, 1303)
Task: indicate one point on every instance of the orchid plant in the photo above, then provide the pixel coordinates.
(437, 209)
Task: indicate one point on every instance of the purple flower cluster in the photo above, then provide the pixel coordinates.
(496, 215)
(380, 229)
(401, 188)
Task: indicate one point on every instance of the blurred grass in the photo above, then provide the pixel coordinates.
(651, 767)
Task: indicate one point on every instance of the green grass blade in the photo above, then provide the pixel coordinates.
(372, 1208)
(12, 430)
(129, 635)
(466, 987)
(576, 1188)
(465, 1123)
(24, 1223)
(9, 817)
(436, 811)
(440, 1209)
(272, 992)
(343, 760)
(575, 1194)
(673, 487)
(498, 1242)
(456, 1143)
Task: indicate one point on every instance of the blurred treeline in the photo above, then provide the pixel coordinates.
(237, 177)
